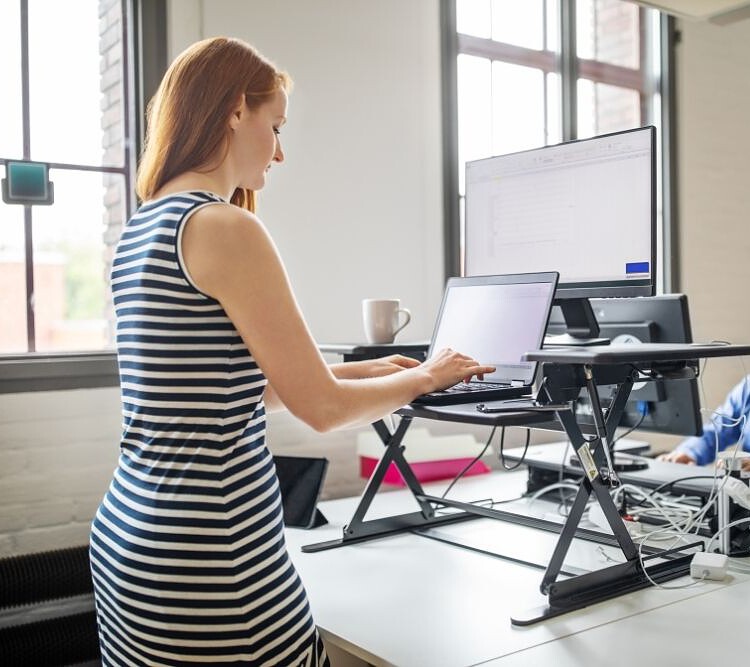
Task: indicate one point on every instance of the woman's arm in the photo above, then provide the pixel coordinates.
(231, 257)
(351, 370)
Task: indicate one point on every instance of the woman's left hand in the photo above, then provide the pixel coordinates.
(370, 368)
(390, 364)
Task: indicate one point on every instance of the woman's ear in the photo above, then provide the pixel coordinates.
(237, 111)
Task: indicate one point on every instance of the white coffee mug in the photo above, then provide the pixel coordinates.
(381, 319)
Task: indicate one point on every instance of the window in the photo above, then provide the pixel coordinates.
(73, 93)
(73, 102)
(530, 73)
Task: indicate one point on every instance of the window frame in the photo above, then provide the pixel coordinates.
(145, 56)
(570, 68)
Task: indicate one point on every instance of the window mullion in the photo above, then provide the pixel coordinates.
(451, 195)
(508, 53)
(568, 70)
(27, 218)
(613, 75)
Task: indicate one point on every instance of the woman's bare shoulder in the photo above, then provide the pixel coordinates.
(218, 242)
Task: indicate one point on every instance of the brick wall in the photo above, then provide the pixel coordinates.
(113, 131)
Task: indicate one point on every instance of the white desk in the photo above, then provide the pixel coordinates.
(410, 601)
(709, 628)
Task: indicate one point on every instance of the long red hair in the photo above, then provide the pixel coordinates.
(188, 118)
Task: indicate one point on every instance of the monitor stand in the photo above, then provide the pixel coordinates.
(580, 322)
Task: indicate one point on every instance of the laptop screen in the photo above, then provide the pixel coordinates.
(496, 319)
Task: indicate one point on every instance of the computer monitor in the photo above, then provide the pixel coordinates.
(584, 208)
(664, 406)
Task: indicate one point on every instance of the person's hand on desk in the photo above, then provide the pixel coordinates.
(681, 457)
(677, 457)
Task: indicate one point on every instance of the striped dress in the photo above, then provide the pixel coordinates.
(187, 548)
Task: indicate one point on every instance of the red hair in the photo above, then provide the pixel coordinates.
(188, 118)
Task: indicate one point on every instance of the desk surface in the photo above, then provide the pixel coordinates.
(706, 629)
(645, 352)
(407, 600)
(678, 477)
(375, 349)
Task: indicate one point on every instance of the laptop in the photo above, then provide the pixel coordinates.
(494, 319)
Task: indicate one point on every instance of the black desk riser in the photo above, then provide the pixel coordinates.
(565, 371)
(359, 530)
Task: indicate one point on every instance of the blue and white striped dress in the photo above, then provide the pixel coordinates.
(188, 556)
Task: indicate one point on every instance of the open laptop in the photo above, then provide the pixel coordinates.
(495, 320)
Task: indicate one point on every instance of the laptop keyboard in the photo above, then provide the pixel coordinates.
(473, 386)
(468, 387)
(470, 392)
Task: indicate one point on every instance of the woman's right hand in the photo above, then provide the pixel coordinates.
(448, 367)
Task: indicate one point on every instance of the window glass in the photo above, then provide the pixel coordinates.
(519, 23)
(76, 122)
(11, 132)
(552, 33)
(608, 31)
(603, 108)
(474, 111)
(474, 17)
(71, 302)
(617, 44)
(62, 69)
(13, 336)
(518, 108)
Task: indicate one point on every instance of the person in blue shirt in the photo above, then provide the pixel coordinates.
(726, 428)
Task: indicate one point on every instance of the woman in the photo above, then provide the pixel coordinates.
(187, 549)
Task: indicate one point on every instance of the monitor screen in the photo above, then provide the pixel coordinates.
(663, 406)
(584, 208)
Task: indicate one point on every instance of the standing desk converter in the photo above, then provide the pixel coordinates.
(359, 530)
(565, 372)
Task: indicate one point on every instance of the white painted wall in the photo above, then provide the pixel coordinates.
(356, 209)
(714, 171)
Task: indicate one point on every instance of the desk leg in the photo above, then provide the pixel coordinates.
(359, 530)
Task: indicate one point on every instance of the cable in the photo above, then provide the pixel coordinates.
(523, 454)
(650, 578)
(672, 482)
(471, 463)
(732, 524)
(631, 429)
(571, 486)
